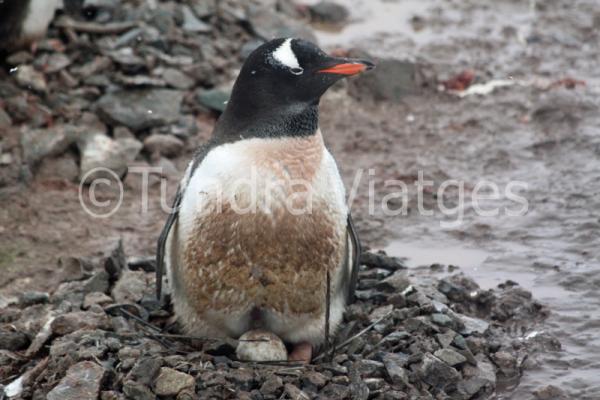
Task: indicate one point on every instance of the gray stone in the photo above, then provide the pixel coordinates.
(100, 154)
(96, 298)
(166, 145)
(268, 24)
(140, 108)
(76, 320)
(437, 373)
(30, 298)
(5, 120)
(131, 287)
(270, 348)
(214, 99)
(394, 364)
(64, 167)
(294, 393)
(478, 378)
(397, 282)
(170, 382)
(441, 319)
(40, 143)
(550, 392)
(507, 363)
(28, 77)
(392, 80)
(473, 325)
(177, 79)
(272, 386)
(13, 340)
(450, 357)
(191, 23)
(329, 12)
(137, 391)
(145, 369)
(82, 381)
(203, 8)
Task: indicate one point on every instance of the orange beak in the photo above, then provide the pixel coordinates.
(345, 69)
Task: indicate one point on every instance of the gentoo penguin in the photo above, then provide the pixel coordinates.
(261, 229)
(24, 21)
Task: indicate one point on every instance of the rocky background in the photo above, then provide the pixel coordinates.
(118, 84)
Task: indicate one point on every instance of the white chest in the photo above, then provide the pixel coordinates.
(265, 176)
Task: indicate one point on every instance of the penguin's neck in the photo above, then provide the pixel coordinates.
(247, 120)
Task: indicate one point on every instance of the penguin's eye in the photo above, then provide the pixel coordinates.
(296, 70)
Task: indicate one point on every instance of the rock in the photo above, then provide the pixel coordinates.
(166, 145)
(450, 357)
(99, 153)
(64, 167)
(30, 298)
(170, 382)
(96, 298)
(131, 287)
(272, 386)
(437, 373)
(473, 325)
(203, 8)
(137, 391)
(334, 391)
(506, 362)
(381, 260)
(51, 63)
(145, 369)
(441, 319)
(294, 393)
(313, 380)
(392, 80)
(394, 364)
(328, 12)
(140, 108)
(397, 282)
(214, 99)
(13, 340)
(268, 24)
(480, 378)
(249, 47)
(82, 381)
(191, 23)
(73, 321)
(40, 143)
(116, 262)
(28, 77)
(177, 79)
(271, 349)
(5, 120)
(550, 392)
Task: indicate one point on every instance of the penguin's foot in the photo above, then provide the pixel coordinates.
(301, 352)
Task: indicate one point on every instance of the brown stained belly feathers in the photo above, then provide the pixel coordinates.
(274, 260)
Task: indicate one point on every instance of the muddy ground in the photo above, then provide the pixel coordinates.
(541, 130)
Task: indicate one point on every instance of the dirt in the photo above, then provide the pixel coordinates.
(536, 131)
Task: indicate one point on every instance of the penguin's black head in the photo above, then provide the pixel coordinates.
(285, 76)
(290, 70)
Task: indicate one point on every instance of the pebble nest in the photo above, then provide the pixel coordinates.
(102, 334)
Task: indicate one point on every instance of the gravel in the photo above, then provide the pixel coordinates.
(101, 330)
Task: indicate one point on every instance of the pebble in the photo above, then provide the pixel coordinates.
(269, 348)
(450, 357)
(82, 381)
(28, 77)
(329, 12)
(166, 145)
(170, 382)
(140, 108)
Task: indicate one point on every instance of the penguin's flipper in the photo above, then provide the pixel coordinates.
(355, 258)
(162, 242)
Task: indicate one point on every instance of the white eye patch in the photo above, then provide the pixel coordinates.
(285, 55)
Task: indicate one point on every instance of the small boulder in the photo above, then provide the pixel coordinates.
(170, 382)
(260, 345)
